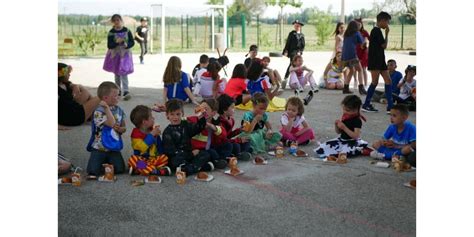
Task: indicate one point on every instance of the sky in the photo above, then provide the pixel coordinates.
(193, 7)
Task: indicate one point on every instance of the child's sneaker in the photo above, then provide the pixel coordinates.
(283, 84)
(130, 171)
(126, 95)
(220, 164)
(244, 156)
(369, 108)
(207, 167)
(362, 90)
(377, 155)
(308, 98)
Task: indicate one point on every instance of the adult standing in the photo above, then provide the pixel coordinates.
(141, 36)
(294, 46)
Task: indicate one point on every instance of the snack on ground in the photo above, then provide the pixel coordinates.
(400, 165)
(154, 179)
(293, 148)
(331, 158)
(65, 180)
(180, 176)
(301, 153)
(109, 173)
(259, 160)
(232, 162)
(246, 127)
(342, 158)
(76, 179)
(202, 175)
(235, 171)
(136, 183)
(413, 183)
(279, 152)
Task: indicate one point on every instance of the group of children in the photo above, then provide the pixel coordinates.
(207, 140)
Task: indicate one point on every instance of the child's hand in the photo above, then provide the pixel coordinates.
(244, 139)
(158, 107)
(104, 104)
(211, 126)
(119, 40)
(269, 134)
(156, 130)
(119, 129)
(195, 152)
(387, 30)
(340, 124)
(389, 144)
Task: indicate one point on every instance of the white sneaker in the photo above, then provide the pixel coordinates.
(377, 155)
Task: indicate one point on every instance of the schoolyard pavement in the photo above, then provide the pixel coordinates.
(289, 196)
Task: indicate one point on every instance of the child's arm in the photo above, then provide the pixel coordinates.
(165, 94)
(111, 44)
(292, 69)
(198, 126)
(121, 129)
(326, 71)
(130, 42)
(338, 131)
(108, 113)
(190, 95)
(304, 129)
(353, 134)
(143, 145)
(168, 143)
(384, 45)
(308, 70)
(215, 87)
(269, 133)
(289, 122)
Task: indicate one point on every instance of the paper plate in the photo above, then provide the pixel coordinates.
(152, 182)
(209, 178)
(228, 172)
(264, 162)
(272, 153)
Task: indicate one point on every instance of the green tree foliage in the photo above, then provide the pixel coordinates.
(282, 4)
(323, 21)
(89, 39)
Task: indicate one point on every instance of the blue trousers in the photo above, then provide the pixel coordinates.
(97, 158)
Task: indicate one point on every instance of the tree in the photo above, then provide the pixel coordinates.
(282, 4)
(247, 7)
(397, 7)
(323, 22)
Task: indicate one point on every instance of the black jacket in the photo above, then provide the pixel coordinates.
(294, 43)
(177, 138)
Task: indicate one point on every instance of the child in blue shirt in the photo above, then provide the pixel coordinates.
(395, 77)
(352, 38)
(108, 116)
(399, 138)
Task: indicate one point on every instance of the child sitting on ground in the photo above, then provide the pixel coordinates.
(293, 123)
(177, 140)
(395, 77)
(399, 138)
(200, 68)
(333, 78)
(254, 122)
(275, 77)
(259, 82)
(253, 51)
(212, 139)
(147, 147)
(176, 82)
(211, 84)
(237, 85)
(297, 80)
(407, 88)
(240, 145)
(109, 120)
(349, 126)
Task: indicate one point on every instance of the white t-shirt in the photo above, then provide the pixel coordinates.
(405, 90)
(298, 122)
(198, 74)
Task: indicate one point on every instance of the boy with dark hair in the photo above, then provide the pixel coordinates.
(377, 65)
(148, 157)
(253, 51)
(395, 77)
(141, 36)
(198, 70)
(399, 138)
(177, 140)
(111, 118)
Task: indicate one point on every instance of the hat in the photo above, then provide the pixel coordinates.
(297, 22)
(143, 19)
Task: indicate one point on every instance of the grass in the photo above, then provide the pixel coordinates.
(199, 43)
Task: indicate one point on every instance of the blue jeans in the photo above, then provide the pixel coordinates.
(238, 148)
(190, 164)
(98, 158)
(221, 152)
(389, 152)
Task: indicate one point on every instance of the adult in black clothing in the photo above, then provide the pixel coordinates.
(294, 44)
(141, 36)
(75, 103)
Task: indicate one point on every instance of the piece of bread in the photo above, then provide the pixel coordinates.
(413, 183)
(66, 180)
(259, 160)
(199, 109)
(331, 158)
(202, 175)
(235, 171)
(153, 178)
(301, 153)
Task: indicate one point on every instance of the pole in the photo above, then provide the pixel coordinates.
(195, 30)
(402, 20)
(242, 17)
(151, 29)
(212, 30)
(163, 17)
(205, 31)
(226, 34)
(342, 18)
(187, 32)
(182, 33)
(258, 30)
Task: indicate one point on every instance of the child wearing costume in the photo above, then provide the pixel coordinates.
(148, 157)
(294, 126)
(118, 59)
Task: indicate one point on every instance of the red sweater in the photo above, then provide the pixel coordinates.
(199, 141)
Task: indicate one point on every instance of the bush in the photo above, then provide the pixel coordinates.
(323, 22)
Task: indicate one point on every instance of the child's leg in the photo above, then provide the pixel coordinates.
(406, 150)
(63, 166)
(286, 135)
(94, 165)
(277, 76)
(294, 82)
(201, 159)
(178, 160)
(331, 86)
(245, 147)
(225, 150)
(364, 72)
(125, 83)
(82, 97)
(115, 158)
(305, 137)
(339, 85)
(375, 81)
(388, 88)
(312, 82)
(276, 137)
(360, 76)
(377, 144)
(118, 82)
